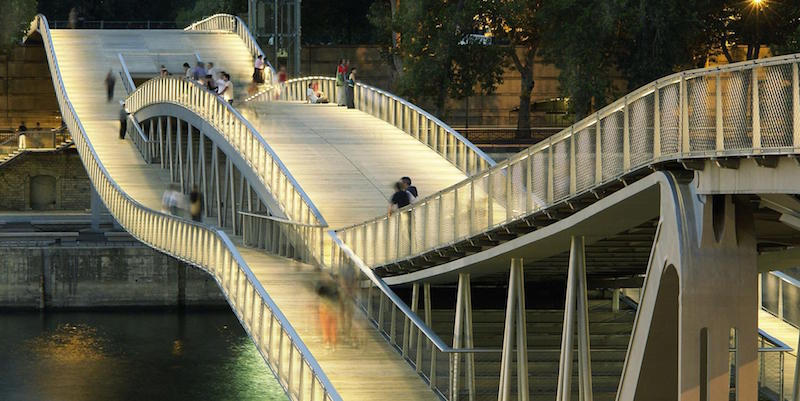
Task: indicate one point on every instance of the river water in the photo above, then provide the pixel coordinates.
(130, 355)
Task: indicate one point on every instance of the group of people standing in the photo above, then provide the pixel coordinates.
(213, 78)
(346, 84)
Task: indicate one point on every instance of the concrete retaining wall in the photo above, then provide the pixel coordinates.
(109, 275)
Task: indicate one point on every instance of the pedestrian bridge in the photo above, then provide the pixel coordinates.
(285, 179)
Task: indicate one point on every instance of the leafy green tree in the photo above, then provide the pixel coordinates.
(15, 22)
(579, 38)
(515, 22)
(438, 61)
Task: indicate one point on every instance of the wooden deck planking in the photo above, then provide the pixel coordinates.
(373, 371)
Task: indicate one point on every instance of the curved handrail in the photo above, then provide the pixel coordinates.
(239, 133)
(293, 201)
(195, 243)
(232, 23)
(406, 116)
(684, 115)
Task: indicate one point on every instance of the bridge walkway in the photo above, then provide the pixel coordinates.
(347, 160)
(84, 58)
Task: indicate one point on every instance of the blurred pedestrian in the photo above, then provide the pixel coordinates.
(226, 89)
(199, 71)
(326, 310)
(22, 132)
(400, 199)
(110, 82)
(348, 284)
(171, 201)
(410, 188)
(163, 72)
(123, 121)
(187, 71)
(213, 71)
(341, 73)
(258, 69)
(196, 204)
(351, 87)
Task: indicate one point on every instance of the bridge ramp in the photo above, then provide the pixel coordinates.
(346, 160)
(370, 371)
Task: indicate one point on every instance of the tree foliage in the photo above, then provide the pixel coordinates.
(15, 20)
(437, 59)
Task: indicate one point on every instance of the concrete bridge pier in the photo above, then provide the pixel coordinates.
(698, 303)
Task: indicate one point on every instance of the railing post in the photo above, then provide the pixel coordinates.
(626, 137)
(684, 116)
(720, 132)
(796, 105)
(756, 112)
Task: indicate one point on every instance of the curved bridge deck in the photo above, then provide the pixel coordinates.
(346, 160)
(84, 58)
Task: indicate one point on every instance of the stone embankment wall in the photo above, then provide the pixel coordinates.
(97, 276)
(44, 181)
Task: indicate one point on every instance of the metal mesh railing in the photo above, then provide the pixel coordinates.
(248, 143)
(737, 110)
(203, 246)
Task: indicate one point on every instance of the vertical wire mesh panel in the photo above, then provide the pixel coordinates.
(561, 169)
(419, 228)
(669, 113)
(369, 231)
(702, 118)
(539, 179)
(391, 238)
(737, 121)
(585, 157)
(463, 218)
(641, 119)
(380, 241)
(403, 234)
(498, 208)
(447, 211)
(480, 204)
(769, 292)
(775, 105)
(432, 224)
(611, 142)
(519, 188)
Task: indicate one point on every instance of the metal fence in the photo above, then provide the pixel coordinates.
(10, 140)
(246, 141)
(738, 110)
(103, 24)
(404, 115)
(206, 247)
(232, 23)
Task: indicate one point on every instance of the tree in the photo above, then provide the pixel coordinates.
(515, 22)
(438, 59)
(15, 22)
(579, 38)
(205, 8)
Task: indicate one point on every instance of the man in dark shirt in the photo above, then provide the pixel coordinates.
(410, 188)
(400, 198)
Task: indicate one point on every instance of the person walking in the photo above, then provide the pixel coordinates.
(110, 82)
(226, 89)
(351, 87)
(171, 200)
(410, 188)
(258, 69)
(22, 131)
(164, 71)
(196, 204)
(123, 121)
(400, 199)
(187, 71)
(341, 73)
(199, 71)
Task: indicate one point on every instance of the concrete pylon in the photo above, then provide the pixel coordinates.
(701, 286)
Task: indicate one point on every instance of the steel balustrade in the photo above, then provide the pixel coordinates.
(738, 110)
(241, 135)
(404, 115)
(203, 246)
(232, 23)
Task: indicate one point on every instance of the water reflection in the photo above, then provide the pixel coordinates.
(73, 356)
